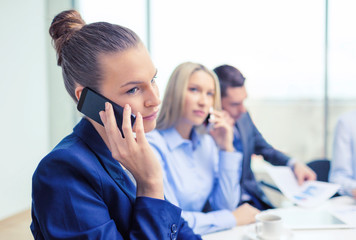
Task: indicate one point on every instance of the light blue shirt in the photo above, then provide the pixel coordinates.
(196, 171)
(343, 165)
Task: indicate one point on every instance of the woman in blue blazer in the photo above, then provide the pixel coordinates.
(95, 184)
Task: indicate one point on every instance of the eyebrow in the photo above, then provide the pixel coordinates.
(137, 82)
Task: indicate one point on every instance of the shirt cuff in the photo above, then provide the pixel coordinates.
(227, 217)
(204, 223)
(347, 190)
(224, 219)
(291, 162)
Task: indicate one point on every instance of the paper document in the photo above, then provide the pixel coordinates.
(309, 194)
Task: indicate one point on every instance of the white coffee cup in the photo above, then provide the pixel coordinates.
(269, 226)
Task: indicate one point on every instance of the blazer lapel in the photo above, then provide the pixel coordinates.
(243, 131)
(90, 136)
(116, 172)
(248, 181)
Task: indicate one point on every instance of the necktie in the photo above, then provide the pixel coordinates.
(237, 143)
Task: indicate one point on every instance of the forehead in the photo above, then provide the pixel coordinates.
(236, 94)
(133, 64)
(202, 79)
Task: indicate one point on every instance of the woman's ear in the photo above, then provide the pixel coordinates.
(78, 91)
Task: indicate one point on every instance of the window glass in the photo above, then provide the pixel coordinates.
(278, 45)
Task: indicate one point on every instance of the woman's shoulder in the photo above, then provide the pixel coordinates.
(70, 146)
(70, 156)
(159, 141)
(347, 121)
(155, 137)
(348, 117)
(153, 134)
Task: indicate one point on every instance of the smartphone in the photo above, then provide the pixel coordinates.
(91, 103)
(207, 123)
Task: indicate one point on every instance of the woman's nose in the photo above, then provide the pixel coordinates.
(152, 98)
(203, 99)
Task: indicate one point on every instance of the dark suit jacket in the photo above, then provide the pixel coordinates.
(254, 143)
(80, 192)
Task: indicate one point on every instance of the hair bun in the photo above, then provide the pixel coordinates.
(63, 26)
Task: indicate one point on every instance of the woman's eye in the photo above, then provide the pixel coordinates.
(132, 90)
(211, 94)
(193, 89)
(153, 80)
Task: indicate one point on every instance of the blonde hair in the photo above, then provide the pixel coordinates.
(173, 100)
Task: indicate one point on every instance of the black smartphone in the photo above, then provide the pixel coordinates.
(91, 103)
(208, 125)
(206, 121)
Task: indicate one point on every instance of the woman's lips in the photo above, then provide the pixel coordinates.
(199, 113)
(151, 117)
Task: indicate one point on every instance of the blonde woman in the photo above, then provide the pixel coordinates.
(200, 165)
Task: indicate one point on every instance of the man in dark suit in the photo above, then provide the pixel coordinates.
(249, 140)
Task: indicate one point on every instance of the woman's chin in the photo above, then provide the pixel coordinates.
(149, 127)
(199, 123)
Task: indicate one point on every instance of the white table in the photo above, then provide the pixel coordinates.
(333, 205)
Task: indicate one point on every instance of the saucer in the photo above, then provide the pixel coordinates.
(287, 234)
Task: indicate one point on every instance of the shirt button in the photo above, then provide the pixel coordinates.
(174, 228)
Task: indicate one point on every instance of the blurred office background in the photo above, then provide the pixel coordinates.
(299, 58)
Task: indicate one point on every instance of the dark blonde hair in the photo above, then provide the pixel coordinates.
(79, 45)
(173, 101)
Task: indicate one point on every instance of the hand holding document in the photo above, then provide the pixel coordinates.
(309, 194)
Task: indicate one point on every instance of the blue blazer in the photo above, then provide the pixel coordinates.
(254, 143)
(80, 192)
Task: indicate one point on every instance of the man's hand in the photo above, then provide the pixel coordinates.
(245, 214)
(303, 173)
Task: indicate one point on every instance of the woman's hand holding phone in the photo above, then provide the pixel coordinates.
(222, 130)
(135, 154)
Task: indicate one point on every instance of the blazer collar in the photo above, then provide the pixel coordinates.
(88, 134)
(242, 120)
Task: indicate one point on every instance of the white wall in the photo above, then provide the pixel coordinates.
(62, 111)
(23, 122)
(36, 112)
